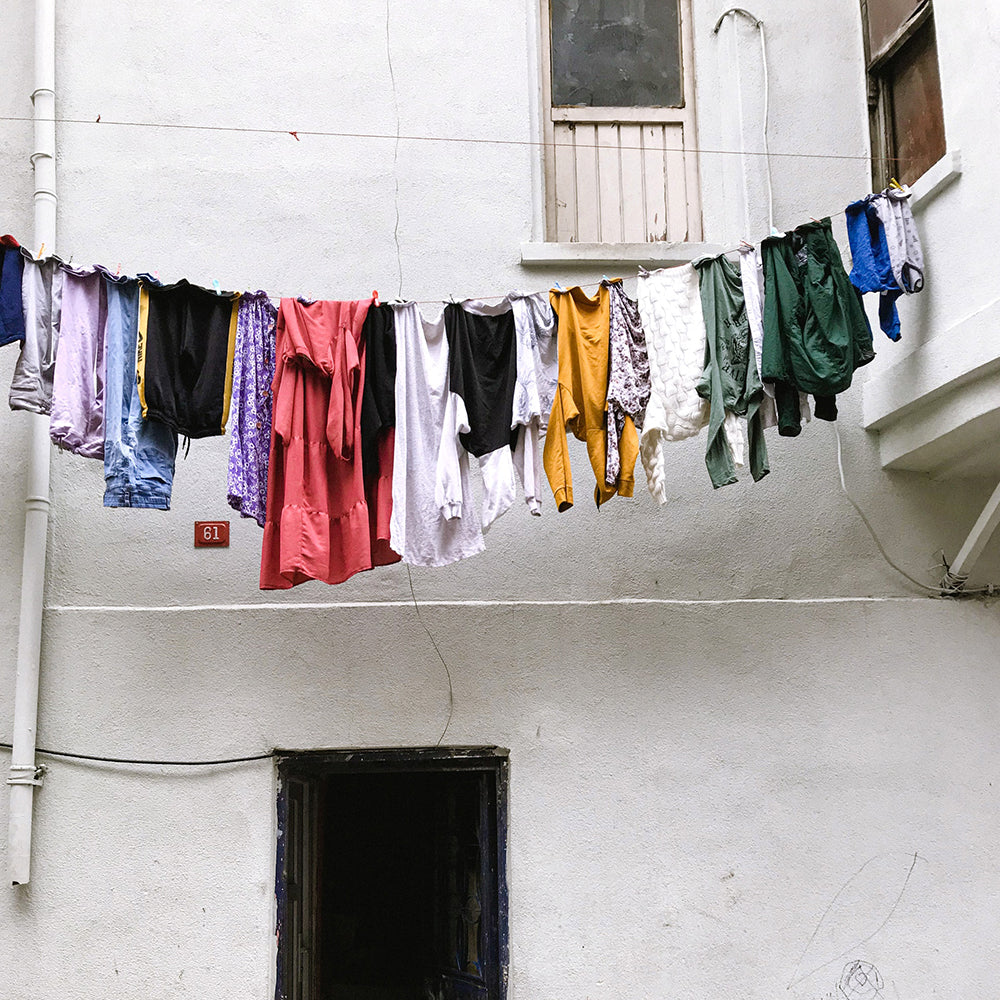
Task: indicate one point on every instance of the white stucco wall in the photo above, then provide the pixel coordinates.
(654, 748)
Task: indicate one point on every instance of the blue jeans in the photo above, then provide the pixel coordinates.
(138, 454)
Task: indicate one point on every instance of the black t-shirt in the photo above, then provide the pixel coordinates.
(378, 404)
(482, 369)
(185, 356)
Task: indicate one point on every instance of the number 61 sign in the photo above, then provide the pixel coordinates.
(211, 534)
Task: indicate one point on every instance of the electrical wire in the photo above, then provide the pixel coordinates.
(151, 763)
(471, 140)
(395, 151)
(451, 689)
(942, 590)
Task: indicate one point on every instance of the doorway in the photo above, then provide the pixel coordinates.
(391, 875)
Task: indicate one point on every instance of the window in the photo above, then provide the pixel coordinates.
(391, 880)
(904, 89)
(619, 123)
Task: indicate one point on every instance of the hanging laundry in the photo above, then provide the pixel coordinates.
(427, 528)
(583, 325)
(317, 518)
(184, 362)
(482, 371)
(902, 238)
(752, 276)
(253, 374)
(41, 290)
(628, 382)
(378, 427)
(535, 389)
(12, 259)
(674, 325)
(77, 419)
(139, 454)
(871, 270)
(730, 381)
(816, 333)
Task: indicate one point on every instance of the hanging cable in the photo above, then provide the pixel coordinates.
(395, 151)
(451, 690)
(942, 590)
(767, 112)
(151, 763)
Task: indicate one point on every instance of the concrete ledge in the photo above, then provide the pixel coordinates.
(938, 409)
(652, 254)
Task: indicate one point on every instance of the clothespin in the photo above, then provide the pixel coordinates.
(156, 274)
(119, 271)
(893, 183)
(41, 250)
(375, 296)
(216, 287)
(743, 243)
(558, 287)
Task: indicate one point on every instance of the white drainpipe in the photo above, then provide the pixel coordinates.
(24, 773)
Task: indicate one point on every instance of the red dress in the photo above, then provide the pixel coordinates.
(317, 525)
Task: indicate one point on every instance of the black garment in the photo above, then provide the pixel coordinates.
(185, 356)
(378, 404)
(816, 333)
(482, 369)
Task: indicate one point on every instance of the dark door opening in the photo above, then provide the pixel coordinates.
(391, 876)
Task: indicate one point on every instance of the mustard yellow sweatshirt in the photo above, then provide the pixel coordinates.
(581, 398)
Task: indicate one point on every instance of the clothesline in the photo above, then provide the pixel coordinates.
(139, 362)
(393, 136)
(491, 295)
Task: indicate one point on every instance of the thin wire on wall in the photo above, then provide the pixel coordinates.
(298, 134)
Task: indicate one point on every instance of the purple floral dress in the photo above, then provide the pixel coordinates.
(253, 373)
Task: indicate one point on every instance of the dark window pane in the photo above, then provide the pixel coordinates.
(885, 18)
(616, 53)
(917, 119)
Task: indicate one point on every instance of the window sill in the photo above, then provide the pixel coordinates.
(625, 254)
(930, 184)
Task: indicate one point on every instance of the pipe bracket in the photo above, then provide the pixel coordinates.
(26, 774)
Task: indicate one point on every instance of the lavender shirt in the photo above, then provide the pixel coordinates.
(253, 373)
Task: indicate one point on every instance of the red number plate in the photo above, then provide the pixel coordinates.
(211, 534)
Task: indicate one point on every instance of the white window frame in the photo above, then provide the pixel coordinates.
(686, 186)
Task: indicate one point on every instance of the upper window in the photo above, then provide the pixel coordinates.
(904, 88)
(619, 122)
